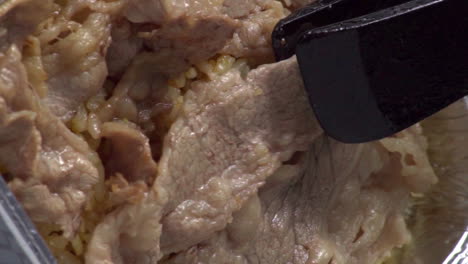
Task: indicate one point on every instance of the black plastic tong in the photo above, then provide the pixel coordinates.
(372, 68)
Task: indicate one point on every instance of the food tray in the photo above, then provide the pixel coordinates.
(20, 243)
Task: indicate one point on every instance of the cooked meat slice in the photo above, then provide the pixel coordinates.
(51, 166)
(18, 130)
(141, 11)
(333, 205)
(123, 48)
(239, 8)
(75, 64)
(128, 152)
(19, 18)
(188, 32)
(121, 191)
(190, 40)
(441, 215)
(407, 148)
(296, 4)
(252, 39)
(129, 234)
(181, 33)
(232, 134)
(161, 11)
(141, 89)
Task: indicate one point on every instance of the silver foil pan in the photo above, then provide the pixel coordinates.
(20, 243)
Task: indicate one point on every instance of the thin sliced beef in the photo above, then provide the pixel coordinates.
(233, 133)
(252, 39)
(122, 191)
(190, 31)
(51, 167)
(19, 18)
(441, 216)
(335, 204)
(128, 152)
(189, 40)
(129, 234)
(181, 32)
(140, 90)
(239, 8)
(74, 60)
(406, 148)
(161, 11)
(123, 48)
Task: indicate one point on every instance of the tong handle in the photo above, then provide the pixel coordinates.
(372, 76)
(321, 13)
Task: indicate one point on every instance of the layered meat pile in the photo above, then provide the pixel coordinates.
(161, 131)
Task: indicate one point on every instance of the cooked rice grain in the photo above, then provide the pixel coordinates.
(224, 63)
(79, 122)
(77, 245)
(191, 73)
(95, 102)
(125, 108)
(178, 82)
(94, 126)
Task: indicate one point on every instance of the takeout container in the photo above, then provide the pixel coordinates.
(20, 243)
